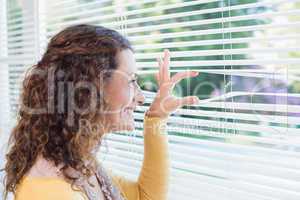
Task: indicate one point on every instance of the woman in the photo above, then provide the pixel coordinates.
(85, 87)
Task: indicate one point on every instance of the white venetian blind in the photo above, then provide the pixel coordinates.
(4, 101)
(17, 52)
(21, 45)
(243, 140)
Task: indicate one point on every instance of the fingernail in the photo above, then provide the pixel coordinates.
(196, 100)
(195, 73)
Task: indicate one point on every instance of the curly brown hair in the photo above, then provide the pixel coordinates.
(48, 124)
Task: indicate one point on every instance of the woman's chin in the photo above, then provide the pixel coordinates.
(127, 121)
(123, 121)
(123, 126)
(129, 126)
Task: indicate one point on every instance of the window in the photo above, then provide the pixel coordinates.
(243, 140)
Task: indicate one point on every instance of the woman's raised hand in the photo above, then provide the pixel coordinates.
(165, 103)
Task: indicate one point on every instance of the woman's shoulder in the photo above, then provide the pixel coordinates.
(46, 188)
(43, 181)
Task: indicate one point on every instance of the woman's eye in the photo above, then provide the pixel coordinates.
(133, 81)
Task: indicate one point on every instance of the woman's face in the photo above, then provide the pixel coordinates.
(122, 94)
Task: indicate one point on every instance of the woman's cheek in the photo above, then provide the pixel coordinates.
(126, 96)
(119, 96)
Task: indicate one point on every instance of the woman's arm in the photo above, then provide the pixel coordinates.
(152, 183)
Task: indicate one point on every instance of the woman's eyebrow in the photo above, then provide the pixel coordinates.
(133, 75)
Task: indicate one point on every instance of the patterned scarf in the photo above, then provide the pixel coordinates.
(109, 190)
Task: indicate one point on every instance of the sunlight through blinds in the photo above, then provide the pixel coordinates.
(242, 140)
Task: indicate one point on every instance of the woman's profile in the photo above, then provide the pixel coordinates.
(84, 87)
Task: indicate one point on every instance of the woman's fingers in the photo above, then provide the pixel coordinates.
(166, 65)
(157, 78)
(181, 75)
(160, 70)
(165, 102)
(189, 100)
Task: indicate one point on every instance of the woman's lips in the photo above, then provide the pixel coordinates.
(129, 110)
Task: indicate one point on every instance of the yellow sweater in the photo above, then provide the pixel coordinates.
(152, 183)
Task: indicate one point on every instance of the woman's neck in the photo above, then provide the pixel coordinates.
(44, 168)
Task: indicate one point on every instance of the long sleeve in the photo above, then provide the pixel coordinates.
(152, 183)
(153, 180)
